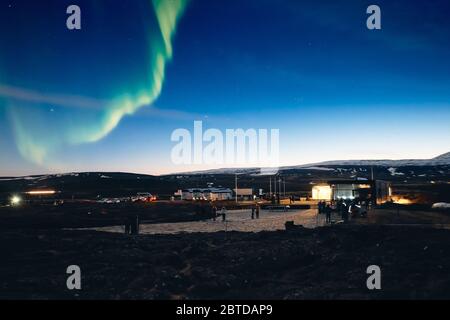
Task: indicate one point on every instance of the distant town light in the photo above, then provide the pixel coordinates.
(41, 192)
(399, 200)
(15, 200)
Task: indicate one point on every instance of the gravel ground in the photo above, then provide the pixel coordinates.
(237, 220)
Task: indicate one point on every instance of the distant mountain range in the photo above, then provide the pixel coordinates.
(441, 160)
(445, 156)
(92, 185)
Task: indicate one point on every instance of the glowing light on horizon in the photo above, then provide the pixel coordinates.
(15, 200)
(401, 200)
(41, 192)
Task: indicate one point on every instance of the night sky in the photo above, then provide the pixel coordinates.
(107, 97)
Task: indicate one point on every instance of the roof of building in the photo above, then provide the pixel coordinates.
(354, 181)
(244, 191)
(208, 190)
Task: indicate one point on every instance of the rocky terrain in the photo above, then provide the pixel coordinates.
(324, 263)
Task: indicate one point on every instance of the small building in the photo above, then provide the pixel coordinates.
(41, 196)
(210, 194)
(244, 194)
(377, 191)
(321, 192)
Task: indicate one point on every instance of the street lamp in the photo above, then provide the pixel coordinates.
(15, 200)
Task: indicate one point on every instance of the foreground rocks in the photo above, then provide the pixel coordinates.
(325, 263)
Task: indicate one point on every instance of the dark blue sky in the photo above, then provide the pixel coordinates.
(335, 89)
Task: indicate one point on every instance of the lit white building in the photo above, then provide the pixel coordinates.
(321, 192)
(375, 190)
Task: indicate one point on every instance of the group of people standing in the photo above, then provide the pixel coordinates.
(345, 208)
(255, 211)
(323, 207)
(215, 213)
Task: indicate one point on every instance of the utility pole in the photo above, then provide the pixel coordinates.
(236, 188)
(275, 185)
(270, 186)
(279, 185)
(284, 187)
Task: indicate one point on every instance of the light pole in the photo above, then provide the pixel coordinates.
(279, 185)
(270, 187)
(275, 185)
(236, 188)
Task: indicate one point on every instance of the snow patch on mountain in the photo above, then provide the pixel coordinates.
(319, 168)
(445, 156)
(394, 172)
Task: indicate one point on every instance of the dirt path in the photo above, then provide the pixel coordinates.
(237, 220)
